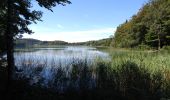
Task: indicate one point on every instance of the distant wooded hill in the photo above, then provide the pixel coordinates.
(102, 42)
(34, 42)
(21, 43)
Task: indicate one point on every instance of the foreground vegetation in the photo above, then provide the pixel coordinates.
(129, 75)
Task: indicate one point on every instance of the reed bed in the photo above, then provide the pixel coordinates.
(132, 75)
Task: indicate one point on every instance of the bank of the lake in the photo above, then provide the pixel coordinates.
(128, 75)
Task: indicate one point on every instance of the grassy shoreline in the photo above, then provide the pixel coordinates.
(130, 75)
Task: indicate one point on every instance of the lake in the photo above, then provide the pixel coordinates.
(63, 55)
(42, 63)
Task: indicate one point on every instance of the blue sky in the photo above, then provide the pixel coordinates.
(84, 20)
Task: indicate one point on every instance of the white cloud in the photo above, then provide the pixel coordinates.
(73, 36)
(60, 26)
(40, 29)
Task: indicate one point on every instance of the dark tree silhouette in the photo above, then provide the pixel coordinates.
(18, 16)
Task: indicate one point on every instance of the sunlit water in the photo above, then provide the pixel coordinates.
(64, 55)
(40, 63)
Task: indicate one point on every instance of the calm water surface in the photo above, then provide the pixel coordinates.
(63, 55)
(43, 63)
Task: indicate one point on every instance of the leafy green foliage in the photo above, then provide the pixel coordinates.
(150, 26)
(22, 15)
(102, 42)
(16, 16)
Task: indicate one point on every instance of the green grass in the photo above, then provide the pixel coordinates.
(154, 61)
(129, 75)
(157, 64)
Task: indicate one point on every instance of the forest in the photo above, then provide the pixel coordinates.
(20, 43)
(149, 27)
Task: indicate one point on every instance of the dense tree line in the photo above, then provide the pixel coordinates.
(101, 42)
(150, 26)
(28, 42)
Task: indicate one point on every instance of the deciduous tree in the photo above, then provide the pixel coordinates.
(15, 16)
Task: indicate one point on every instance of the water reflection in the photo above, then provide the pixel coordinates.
(64, 55)
(45, 63)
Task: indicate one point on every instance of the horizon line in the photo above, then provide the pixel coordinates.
(65, 41)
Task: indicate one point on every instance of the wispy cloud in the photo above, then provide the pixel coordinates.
(38, 29)
(60, 26)
(74, 36)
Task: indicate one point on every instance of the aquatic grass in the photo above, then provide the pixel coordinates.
(150, 59)
(157, 64)
(129, 74)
